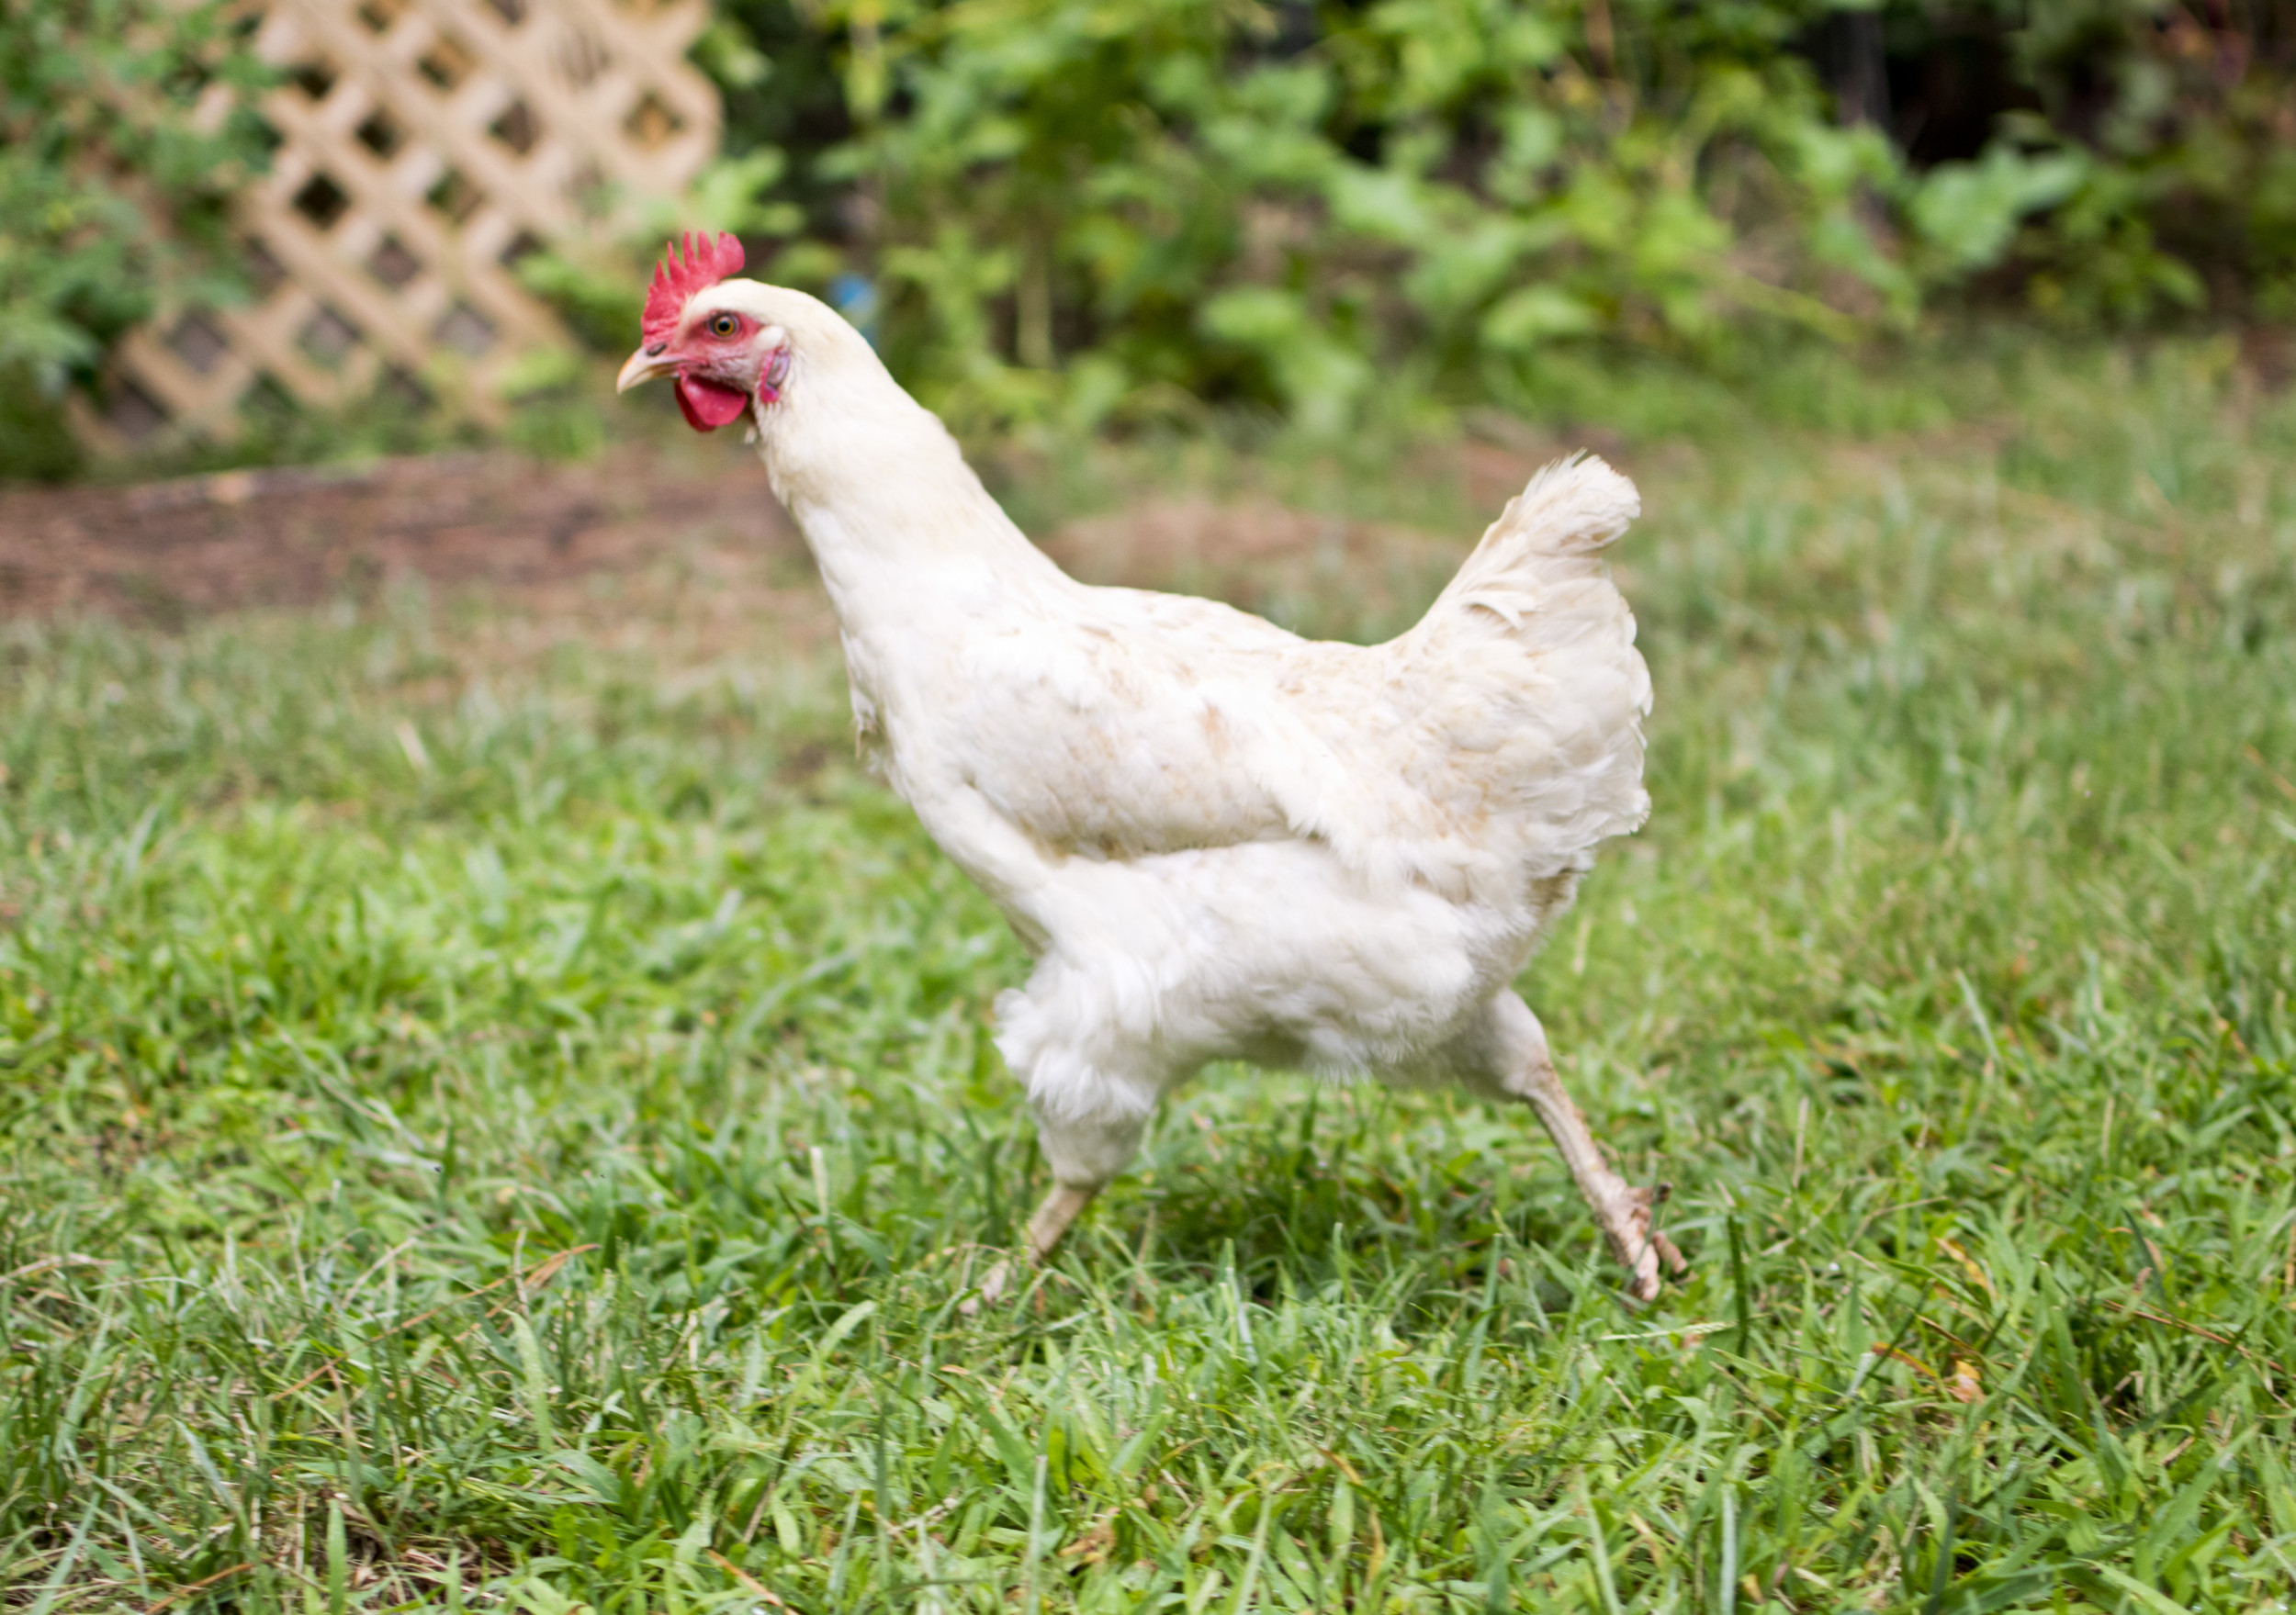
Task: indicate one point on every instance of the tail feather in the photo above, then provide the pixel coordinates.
(1527, 721)
(1553, 531)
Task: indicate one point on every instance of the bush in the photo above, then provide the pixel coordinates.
(1069, 210)
(1126, 210)
(115, 166)
(1193, 200)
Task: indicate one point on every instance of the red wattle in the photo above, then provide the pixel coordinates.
(708, 406)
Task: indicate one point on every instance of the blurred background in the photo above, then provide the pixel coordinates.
(239, 234)
(477, 1056)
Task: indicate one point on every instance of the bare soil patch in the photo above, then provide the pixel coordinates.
(293, 536)
(682, 555)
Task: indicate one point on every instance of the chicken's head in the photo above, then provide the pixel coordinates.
(714, 334)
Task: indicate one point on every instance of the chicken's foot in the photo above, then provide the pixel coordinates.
(1621, 1210)
(1062, 1206)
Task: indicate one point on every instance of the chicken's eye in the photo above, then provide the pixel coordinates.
(724, 325)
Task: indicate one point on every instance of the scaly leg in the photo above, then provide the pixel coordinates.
(1621, 1210)
(1062, 1206)
(1084, 1153)
(1506, 1056)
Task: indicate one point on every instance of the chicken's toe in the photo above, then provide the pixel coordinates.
(1624, 1214)
(1668, 1254)
(992, 1287)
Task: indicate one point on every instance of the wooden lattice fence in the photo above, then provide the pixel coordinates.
(426, 146)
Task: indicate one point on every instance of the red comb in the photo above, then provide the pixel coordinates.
(677, 277)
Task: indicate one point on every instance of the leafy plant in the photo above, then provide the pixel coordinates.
(1124, 212)
(1324, 209)
(123, 131)
(1205, 199)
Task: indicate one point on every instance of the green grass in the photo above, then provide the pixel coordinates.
(546, 1175)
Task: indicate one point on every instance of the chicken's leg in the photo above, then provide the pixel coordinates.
(1062, 1206)
(1084, 1154)
(1621, 1210)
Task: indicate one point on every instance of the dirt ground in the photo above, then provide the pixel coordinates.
(163, 551)
(636, 539)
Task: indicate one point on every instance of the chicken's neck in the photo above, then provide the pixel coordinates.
(910, 545)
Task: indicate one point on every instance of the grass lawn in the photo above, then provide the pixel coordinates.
(515, 1131)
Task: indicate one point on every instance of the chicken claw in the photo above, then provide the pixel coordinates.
(1636, 1246)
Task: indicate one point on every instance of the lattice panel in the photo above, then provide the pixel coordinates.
(426, 145)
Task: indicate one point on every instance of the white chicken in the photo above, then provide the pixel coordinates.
(1219, 840)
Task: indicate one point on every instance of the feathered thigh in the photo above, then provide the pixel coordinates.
(1273, 952)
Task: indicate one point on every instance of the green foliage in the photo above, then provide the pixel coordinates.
(1333, 210)
(598, 286)
(115, 163)
(2185, 115)
(1099, 212)
(536, 1164)
(1967, 213)
(1187, 203)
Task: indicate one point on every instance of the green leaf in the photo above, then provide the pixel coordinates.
(1531, 315)
(1967, 212)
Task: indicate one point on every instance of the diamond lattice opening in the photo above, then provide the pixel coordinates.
(379, 135)
(131, 411)
(321, 201)
(516, 128)
(263, 270)
(455, 197)
(391, 263)
(464, 329)
(447, 63)
(402, 388)
(198, 342)
(327, 338)
(314, 76)
(651, 122)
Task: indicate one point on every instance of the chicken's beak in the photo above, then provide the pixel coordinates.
(645, 365)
